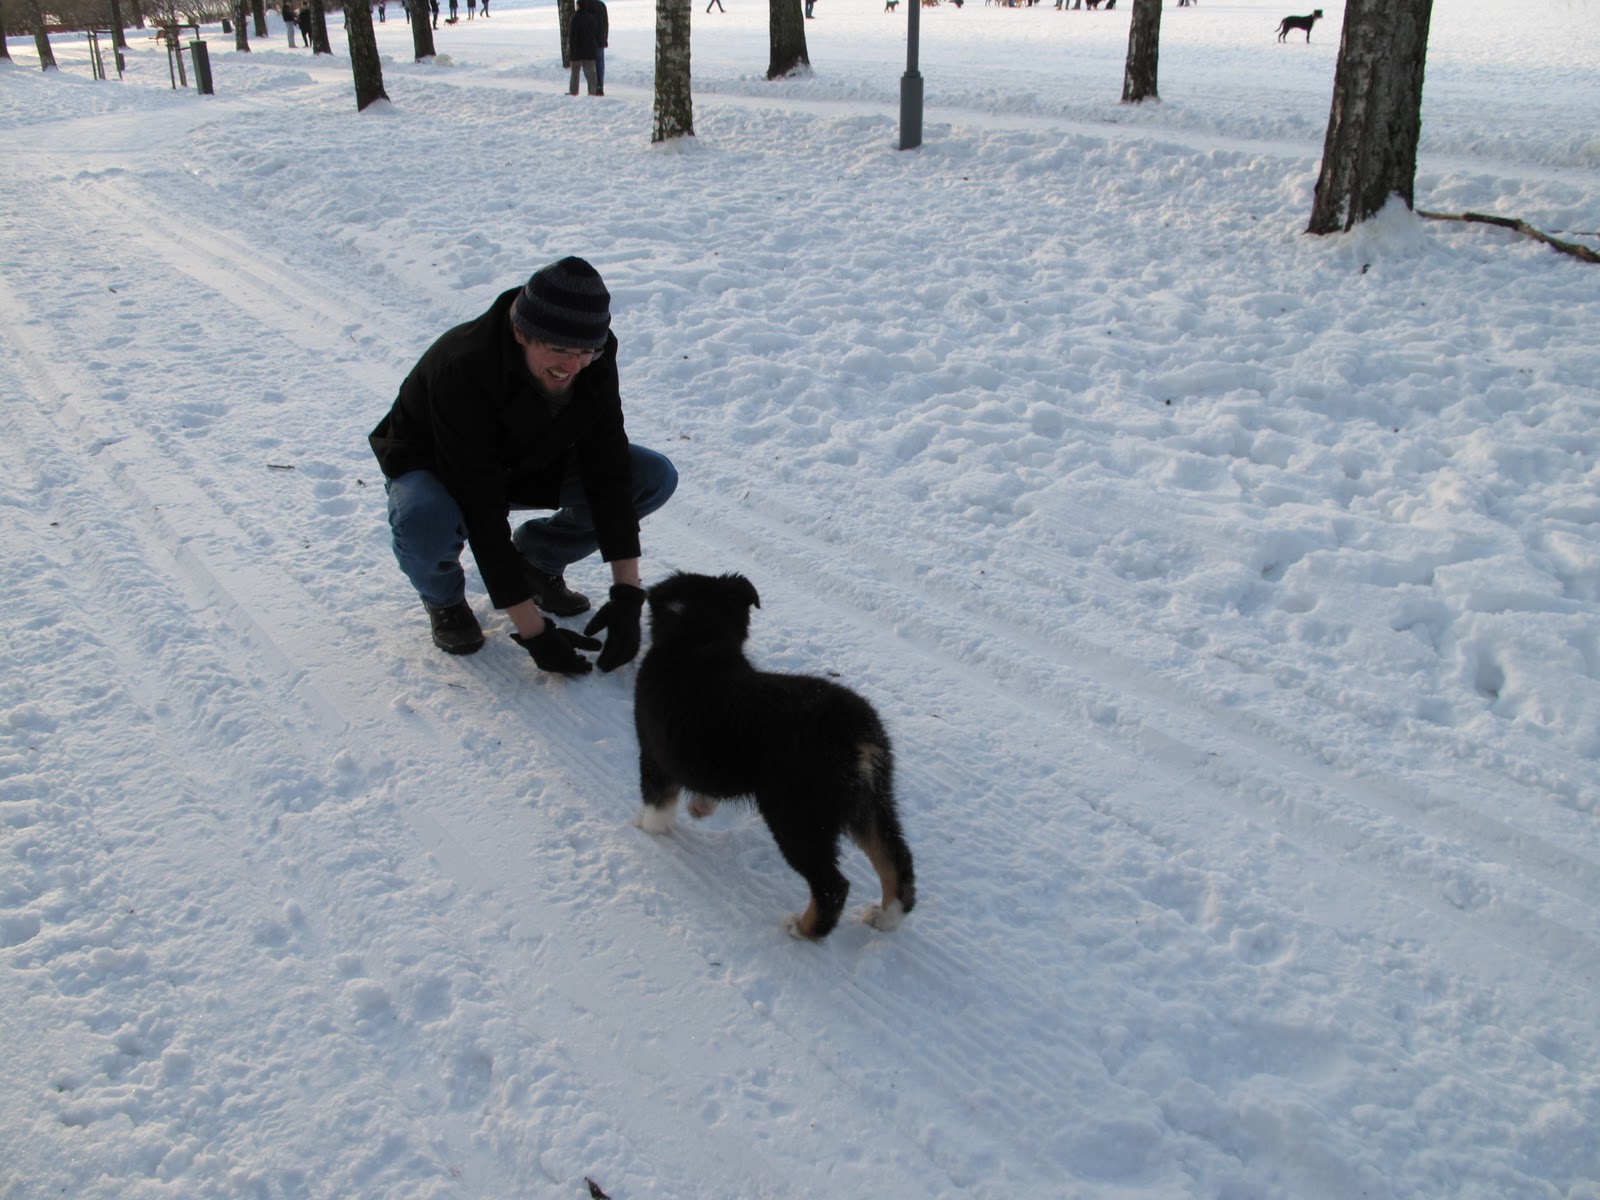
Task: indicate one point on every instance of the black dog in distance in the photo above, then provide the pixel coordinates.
(1305, 22)
(811, 755)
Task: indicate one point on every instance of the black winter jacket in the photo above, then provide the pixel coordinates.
(470, 413)
(583, 36)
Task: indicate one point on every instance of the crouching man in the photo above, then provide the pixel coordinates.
(521, 409)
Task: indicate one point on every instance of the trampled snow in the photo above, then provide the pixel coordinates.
(1232, 597)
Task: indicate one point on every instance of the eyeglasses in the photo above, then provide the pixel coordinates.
(569, 352)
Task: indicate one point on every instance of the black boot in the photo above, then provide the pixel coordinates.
(455, 629)
(551, 593)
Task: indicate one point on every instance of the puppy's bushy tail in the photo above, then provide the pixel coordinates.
(878, 832)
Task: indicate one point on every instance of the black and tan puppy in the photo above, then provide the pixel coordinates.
(1305, 22)
(812, 755)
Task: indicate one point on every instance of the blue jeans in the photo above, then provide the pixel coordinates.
(429, 531)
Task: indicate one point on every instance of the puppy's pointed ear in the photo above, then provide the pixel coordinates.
(745, 589)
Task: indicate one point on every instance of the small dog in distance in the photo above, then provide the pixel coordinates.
(1305, 22)
(811, 754)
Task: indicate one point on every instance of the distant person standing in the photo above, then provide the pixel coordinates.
(718, 3)
(583, 43)
(600, 50)
(289, 23)
(305, 25)
(434, 5)
(472, 9)
(453, 17)
(809, 14)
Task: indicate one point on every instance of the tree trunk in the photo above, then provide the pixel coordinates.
(1144, 49)
(41, 39)
(119, 40)
(421, 30)
(787, 25)
(1370, 152)
(674, 115)
(258, 9)
(564, 11)
(319, 27)
(241, 36)
(365, 65)
(138, 15)
(5, 50)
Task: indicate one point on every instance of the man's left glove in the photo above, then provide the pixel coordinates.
(619, 615)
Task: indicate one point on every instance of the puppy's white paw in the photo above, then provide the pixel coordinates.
(885, 918)
(652, 819)
(701, 807)
(792, 926)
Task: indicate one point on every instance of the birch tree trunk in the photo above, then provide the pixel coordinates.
(674, 115)
(1370, 152)
(1144, 49)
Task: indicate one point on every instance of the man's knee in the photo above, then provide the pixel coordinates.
(654, 479)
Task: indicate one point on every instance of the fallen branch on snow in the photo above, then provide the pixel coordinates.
(1572, 248)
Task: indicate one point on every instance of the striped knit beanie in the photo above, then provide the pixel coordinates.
(564, 304)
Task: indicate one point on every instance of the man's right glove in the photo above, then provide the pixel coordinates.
(556, 650)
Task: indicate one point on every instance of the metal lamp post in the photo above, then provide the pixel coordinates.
(911, 83)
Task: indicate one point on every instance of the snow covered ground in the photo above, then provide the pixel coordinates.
(1233, 598)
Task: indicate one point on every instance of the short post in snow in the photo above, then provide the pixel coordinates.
(911, 82)
(202, 67)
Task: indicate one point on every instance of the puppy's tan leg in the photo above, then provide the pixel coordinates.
(888, 914)
(803, 925)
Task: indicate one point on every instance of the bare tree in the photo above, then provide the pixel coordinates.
(41, 39)
(1370, 152)
(258, 9)
(241, 39)
(787, 27)
(674, 115)
(119, 40)
(1144, 49)
(319, 27)
(5, 50)
(564, 11)
(365, 64)
(421, 31)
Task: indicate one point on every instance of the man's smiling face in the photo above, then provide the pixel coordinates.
(553, 367)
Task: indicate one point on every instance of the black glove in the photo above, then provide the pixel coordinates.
(556, 649)
(620, 615)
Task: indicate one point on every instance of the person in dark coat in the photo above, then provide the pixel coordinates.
(290, 21)
(583, 43)
(304, 20)
(602, 40)
(517, 409)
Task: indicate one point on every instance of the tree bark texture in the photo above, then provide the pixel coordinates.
(786, 23)
(119, 40)
(365, 64)
(1370, 152)
(5, 50)
(258, 10)
(241, 35)
(421, 30)
(1144, 50)
(674, 115)
(319, 28)
(564, 13)
(41, 39)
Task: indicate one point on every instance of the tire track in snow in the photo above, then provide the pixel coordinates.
(1265, 772)
(296, 655)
